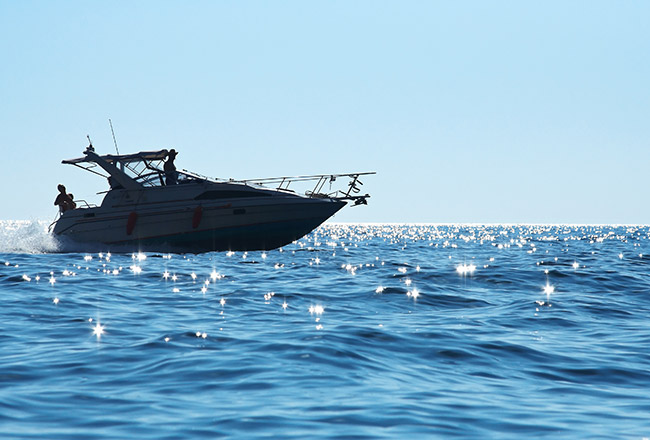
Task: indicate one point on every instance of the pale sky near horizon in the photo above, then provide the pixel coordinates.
(469, 111)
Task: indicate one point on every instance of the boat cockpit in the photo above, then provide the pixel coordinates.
(145, 168)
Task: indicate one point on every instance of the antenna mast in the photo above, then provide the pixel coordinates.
(114, 141)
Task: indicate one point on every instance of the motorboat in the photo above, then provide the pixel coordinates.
(146, 210)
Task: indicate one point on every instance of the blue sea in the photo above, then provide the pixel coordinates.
(353, 332)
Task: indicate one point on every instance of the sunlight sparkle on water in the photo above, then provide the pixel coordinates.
(317, 309)
(548, 290)
(350, 268)
(415, 294)
(98, 330)
(139, 256)
(136, 269)
(465, 269)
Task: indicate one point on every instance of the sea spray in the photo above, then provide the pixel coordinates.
(27, 236)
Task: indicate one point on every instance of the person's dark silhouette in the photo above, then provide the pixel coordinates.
(171, 176)
(63, 200)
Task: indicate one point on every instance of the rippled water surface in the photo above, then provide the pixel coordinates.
(355, 331)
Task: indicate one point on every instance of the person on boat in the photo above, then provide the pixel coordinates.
(63, 200)
(71, 202)
(171, 176)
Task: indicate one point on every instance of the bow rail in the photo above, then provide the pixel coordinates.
(351, 191)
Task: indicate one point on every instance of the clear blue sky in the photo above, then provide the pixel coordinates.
(470, 111)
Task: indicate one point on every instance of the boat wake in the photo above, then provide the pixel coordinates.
(32, 237)
(27, 237)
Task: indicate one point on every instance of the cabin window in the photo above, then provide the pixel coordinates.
(230, 194)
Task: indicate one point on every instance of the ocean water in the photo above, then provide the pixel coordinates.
(353, 332)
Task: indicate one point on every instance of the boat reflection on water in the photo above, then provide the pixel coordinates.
(147, 210)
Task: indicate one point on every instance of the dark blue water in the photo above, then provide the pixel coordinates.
(354, 332)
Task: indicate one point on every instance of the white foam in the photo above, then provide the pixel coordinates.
(27, 237)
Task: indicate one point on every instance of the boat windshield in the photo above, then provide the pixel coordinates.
(151, 173)
(157, 178)
(145, 168)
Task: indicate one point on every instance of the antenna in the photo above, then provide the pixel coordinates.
(114, 141)
(90, 145)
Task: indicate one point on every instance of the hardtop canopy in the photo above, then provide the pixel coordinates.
(122, 158)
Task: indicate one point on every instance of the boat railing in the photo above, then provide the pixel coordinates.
(316, 185)
(56, 218)
(81, 204)
(85, 204)
(351, 191)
